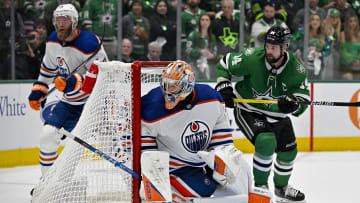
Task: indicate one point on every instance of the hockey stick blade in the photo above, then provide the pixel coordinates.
(80, 65)
(100, 153)
(310, 103)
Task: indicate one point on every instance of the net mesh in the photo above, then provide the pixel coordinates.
(79, 175)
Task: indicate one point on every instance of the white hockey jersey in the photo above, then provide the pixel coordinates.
(61, 58)
(182, 131)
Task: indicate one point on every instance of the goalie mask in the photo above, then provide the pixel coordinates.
(177, 82)
(66, 10)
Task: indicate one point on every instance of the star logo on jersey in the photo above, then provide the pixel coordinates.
(196, 136)
(264, 96)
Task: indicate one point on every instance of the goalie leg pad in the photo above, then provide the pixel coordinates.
(156, 178)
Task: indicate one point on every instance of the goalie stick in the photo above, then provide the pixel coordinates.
(100, 153)
(311, 103)
(157, 185)
(80, 65)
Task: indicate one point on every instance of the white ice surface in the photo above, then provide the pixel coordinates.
(324, 177)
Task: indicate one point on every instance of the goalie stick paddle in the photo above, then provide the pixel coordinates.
(311, 103)
(157, 186)
(100, 153)
(81, 64)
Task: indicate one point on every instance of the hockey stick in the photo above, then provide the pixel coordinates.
(100, 153)
(157, 183)
(310, 103)
(81, 64)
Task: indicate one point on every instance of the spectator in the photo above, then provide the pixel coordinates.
(148, 6)
(319, 47)
(298, 22)
(189, 19)
(344, 8)
(226, 30)
(29, 60)
(99, 15)
(155, 50)
(332, 26)
(136, 27)
(350, 49)
(261, 26)
(40, 28)
(164, 29)
(126, 51)
(257, 7)
(291, 7)
(20, 36)
(201, 49)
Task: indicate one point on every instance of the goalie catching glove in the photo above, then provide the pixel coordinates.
(72, 84)
(226, 90)
(225, 161)
(38, 92)
(288, 104)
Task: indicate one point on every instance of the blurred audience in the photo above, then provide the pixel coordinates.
(298, 22)
(189, 21)
(163, 30)
(201, 49)
(226, 30)
(100, 16)
(344, 7)
(319, 47)
(261, 26)
(136, 27)
(210, 29)
(350, 49)
(332, 26)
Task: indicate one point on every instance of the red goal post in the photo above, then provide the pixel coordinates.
(111, 122)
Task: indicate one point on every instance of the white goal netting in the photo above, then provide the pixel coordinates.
(109, 122)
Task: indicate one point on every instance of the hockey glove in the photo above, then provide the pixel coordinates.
(38, 92)
(74, 83)
(226, 161)
(226, 91)
(90, 78)
(288, 104)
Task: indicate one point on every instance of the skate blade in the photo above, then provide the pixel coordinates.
(282, 200)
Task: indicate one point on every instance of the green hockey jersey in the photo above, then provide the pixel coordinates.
(257, 80)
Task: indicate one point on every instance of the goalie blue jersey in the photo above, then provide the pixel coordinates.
(201, 125)
(61, 58)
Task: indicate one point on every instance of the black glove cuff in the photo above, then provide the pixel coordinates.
(222, 85)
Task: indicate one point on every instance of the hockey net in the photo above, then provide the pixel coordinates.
(110, 122)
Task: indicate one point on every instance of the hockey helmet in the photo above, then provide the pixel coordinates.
(278, 35)
(177, 82)
(66, 10)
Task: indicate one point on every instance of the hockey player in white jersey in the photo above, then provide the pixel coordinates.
(66, 48)
(189, 121)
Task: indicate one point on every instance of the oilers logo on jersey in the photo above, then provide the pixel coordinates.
(196, 136)
(62, 66)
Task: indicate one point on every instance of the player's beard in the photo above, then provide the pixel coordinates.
(271, 59)
(63, 35)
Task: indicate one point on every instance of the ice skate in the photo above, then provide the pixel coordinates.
(288, 194)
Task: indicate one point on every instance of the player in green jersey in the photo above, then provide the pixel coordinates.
(269, 72)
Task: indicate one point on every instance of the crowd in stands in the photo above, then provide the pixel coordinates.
(209, 30)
